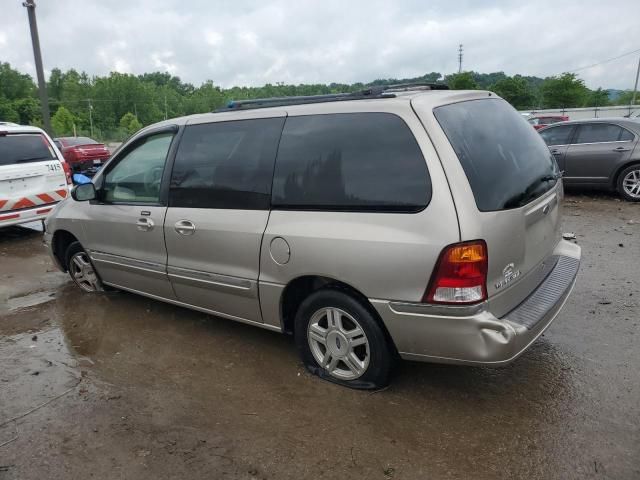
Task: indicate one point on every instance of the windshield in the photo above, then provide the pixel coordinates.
(507, 163)
(24, 148)
(73, 141)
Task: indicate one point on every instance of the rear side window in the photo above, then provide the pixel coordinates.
(626, 135)
(598, 133)
(24, 148)
(557, 135)
(226, 165)
(350, 162)
(505, 160)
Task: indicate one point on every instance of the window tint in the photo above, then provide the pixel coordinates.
(557, 135)
(137, 176)
(226, 165)
(598, 132)
(507, 163)
(626, 135)
(355, 161)
(24, 148)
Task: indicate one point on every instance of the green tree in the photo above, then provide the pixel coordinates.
(8, 112)
(516, 91)
(461, 81)
(15, 85)
(564, 91)
(130, 123)
(28, 110)
(63, 122)
(626, 97)
(597, 98)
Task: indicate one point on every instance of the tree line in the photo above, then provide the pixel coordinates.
(114, 106)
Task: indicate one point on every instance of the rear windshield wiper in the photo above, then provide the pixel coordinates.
(521, 198)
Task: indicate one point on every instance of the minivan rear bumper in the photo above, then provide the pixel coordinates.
(473, 335)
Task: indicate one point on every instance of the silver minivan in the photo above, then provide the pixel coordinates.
(410, 222)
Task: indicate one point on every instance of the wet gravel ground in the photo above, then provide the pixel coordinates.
(118, 386)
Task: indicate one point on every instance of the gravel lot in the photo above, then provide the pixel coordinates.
(118, 386)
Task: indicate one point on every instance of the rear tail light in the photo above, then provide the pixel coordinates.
(67, 172)
(460, 276)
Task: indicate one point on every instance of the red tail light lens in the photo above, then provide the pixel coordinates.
(460, 276)
(67, 172)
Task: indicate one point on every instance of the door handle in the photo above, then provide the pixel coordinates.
(555, 152)
(145, 224)
(621, 149)
(185, 227)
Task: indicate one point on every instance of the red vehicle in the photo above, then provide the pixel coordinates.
(543, 121)
(83, 154)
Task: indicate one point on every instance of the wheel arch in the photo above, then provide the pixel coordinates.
(301, 287)
(616, 176)
(59, 244)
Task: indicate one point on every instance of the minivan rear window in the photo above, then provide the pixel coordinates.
(24, 148)
(350, 162)
(506, 161)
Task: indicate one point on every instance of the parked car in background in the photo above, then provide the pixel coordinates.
(599, 152)
(33, 175)
(543, 121)
(369, 225)
(84, 154)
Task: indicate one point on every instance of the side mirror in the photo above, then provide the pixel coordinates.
(84, 192)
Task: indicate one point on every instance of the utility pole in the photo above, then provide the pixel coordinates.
(460, 58)
(42, 86)
(635, 87)
(90, 116)
(165, 105)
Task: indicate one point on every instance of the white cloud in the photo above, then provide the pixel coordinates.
(252, 42)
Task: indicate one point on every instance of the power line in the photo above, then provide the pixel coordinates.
(604, 61)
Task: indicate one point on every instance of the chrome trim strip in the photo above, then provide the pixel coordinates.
(224, 283)
(411, 308)
(206, 277)
(200, 309)
(127, 261)
(130, 267)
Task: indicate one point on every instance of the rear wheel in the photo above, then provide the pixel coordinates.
(341, 341)
(629, 183)
(81, 269)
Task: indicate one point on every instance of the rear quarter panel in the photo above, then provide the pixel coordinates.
(383, 255)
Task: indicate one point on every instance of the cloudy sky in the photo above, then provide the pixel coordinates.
(247, 42)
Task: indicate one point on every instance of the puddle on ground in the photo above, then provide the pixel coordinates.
(30, 300)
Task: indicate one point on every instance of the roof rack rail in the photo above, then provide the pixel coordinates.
(377, 91)
(417, 85)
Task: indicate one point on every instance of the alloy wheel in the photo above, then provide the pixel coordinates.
(83, 273)
(338, 343)
(631, 183)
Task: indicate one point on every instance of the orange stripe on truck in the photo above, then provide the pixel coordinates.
(23, 203)
(3, 203)
(46, 198)
(63, 192)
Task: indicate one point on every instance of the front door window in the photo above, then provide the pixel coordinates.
(137, 176)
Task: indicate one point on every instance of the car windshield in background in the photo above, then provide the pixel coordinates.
(73, 141)
(24, 148)
(507, 163)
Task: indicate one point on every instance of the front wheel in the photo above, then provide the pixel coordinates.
(340, 340)
(81, 269)
(629, 183)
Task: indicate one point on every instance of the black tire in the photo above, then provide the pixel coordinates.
(620, 183)
(74, 249)
(381, 354)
